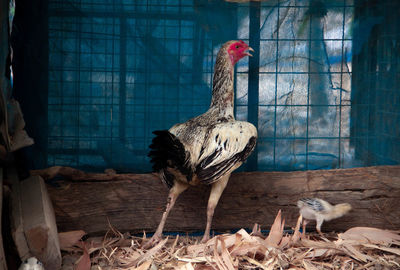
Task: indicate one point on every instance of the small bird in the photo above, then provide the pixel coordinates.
(320, 211)
(207, 148)
(31, 264)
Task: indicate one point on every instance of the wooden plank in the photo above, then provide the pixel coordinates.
(17, 226)
(39, 222)
(134, 202)
(3, 262)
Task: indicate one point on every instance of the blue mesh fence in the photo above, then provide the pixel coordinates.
(120, 69)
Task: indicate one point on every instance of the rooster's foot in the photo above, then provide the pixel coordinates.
(205, 238)
(153, 241)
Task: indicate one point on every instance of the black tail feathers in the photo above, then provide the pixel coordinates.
(168, 151)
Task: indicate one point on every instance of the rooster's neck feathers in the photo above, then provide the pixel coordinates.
(223, 93)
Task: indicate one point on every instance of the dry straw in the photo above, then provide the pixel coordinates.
(357, 248)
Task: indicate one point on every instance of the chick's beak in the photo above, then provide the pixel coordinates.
(249, 49)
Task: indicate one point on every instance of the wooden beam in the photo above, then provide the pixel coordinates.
(134, 202)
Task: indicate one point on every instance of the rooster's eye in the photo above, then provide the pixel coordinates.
(237, 46)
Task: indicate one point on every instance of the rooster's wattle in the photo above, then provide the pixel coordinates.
(207, 148)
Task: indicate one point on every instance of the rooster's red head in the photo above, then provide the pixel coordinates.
(237, 50)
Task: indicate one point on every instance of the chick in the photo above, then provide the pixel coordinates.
(320, 210)
(31, 264)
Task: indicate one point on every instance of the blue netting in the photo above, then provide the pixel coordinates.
(120, 69)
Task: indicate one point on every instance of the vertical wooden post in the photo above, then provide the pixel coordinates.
(253, 81)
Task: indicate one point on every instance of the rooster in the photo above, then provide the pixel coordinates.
(208, 148)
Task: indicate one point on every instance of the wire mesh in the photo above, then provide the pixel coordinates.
(120, 69)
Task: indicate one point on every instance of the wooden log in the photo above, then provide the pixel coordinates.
(39, 222)
(135, 202)
(78, 175)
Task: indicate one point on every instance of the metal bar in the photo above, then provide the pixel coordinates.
(308, 91)
(122, 79)
(302, 105)
(291, 138)
(142, 70)
(86, 151)
(78, 21)
(253, 81)
(260, 139)
(276, 80)
(117, 14)
(260, 105)
(305, 39)
(179, 62)
(302, 72)
(327, 4)
(146, 75)
(341, 85)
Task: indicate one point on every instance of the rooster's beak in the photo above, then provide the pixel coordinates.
(249, 49)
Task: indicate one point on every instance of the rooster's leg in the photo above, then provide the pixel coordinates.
(174, 193)
(216, 190)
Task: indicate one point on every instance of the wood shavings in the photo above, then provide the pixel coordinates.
(83, 262)
(371, 234)
(69, 239)
(357, 248)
